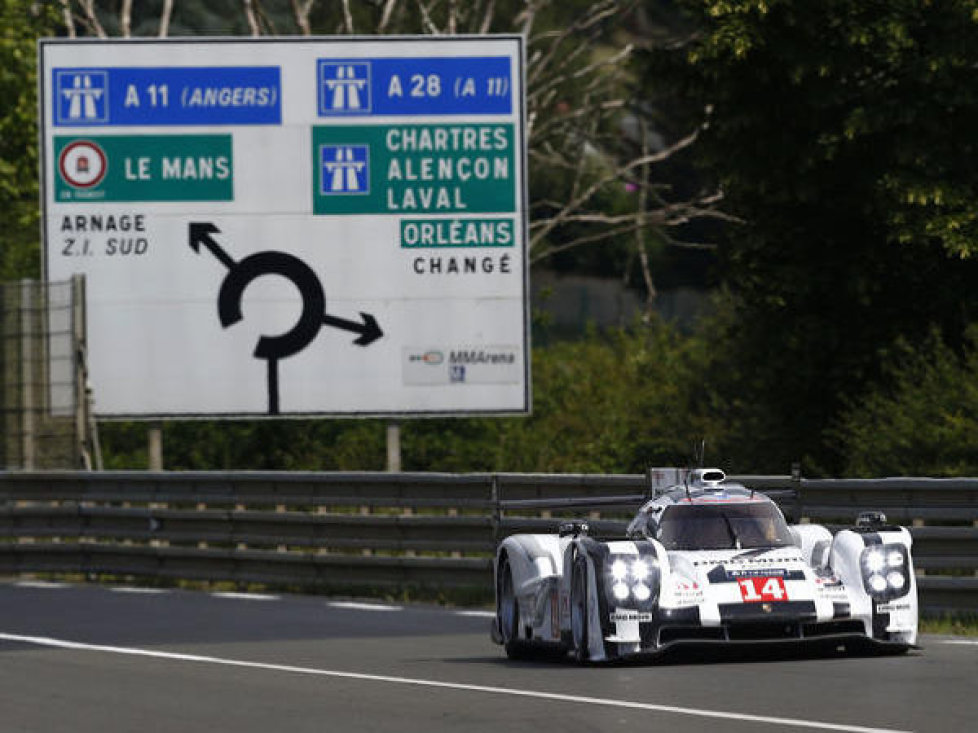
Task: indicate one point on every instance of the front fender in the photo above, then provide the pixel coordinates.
(536, 564)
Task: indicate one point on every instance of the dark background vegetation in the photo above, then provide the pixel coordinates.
(843, 330)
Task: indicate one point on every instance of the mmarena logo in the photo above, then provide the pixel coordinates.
(434, 358)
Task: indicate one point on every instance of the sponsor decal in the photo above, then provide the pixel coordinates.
(757, 573)
(687, 593)
(623, 615)
(762, 590)
(892, 607)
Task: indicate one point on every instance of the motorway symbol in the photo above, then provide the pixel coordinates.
(344, 87)
(82, 97)
(313, 316)
(345, 169)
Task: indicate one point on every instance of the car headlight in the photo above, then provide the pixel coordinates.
(877, 583)
(619, 570)
(641, 592)
(896, 580)
(631, 579)
(640, 570)
(885, 571)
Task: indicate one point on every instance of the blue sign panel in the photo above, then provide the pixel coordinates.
(189, 95)
(345, 169)
(468, 85)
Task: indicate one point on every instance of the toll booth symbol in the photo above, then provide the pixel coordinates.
(344, 169)
(82, 97)
(344, 88)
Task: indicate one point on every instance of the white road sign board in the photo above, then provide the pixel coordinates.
(292, 226)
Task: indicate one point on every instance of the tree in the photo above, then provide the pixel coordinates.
(21, 23)
(839, 134)
(923, 421)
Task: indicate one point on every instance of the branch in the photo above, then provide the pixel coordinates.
(385, 17)
(577, 201)
(249, 12)
(165, 14)
(91, 19)
(125, 18)
(596, 14)
(487, 17)
(69, 18)
(452, 17)
(586, 239)
(300, 11)
(347, 18)
(426, 19)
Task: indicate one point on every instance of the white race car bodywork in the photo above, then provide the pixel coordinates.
(607, 600)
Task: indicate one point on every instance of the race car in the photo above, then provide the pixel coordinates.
(707, 561)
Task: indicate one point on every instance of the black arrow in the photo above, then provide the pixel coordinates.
(200, 234)
(369, 330)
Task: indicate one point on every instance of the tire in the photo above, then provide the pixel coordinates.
(508, 613)
(579, 609)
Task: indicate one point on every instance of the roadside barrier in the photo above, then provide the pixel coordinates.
(390, 530)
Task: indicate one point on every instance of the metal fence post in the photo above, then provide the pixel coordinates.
(27, 375)
(393, 447)
(497, 512)
(78, 369)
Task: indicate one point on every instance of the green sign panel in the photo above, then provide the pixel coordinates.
(414, 169)
(100, 168)
(454, 232)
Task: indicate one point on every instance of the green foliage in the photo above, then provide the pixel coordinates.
(20, 24)
(921, 420)
(886, 85)
(839, 133)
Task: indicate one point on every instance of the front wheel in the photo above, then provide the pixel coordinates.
(508, 613)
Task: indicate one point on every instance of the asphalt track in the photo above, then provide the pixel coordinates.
(114, 660)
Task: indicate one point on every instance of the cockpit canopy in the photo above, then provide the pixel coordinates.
(722, 527)
(714, 526)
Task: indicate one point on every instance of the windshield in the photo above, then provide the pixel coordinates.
(722, 527)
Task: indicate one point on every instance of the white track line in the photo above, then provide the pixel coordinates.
(477, 614)
(135, 590)
(246, 596)
(962, 642)
(46, 584)
(550, 696)
(350, 605)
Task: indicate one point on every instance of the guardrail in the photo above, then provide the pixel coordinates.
(357, 530)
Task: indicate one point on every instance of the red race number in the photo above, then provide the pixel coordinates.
(756, 590)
